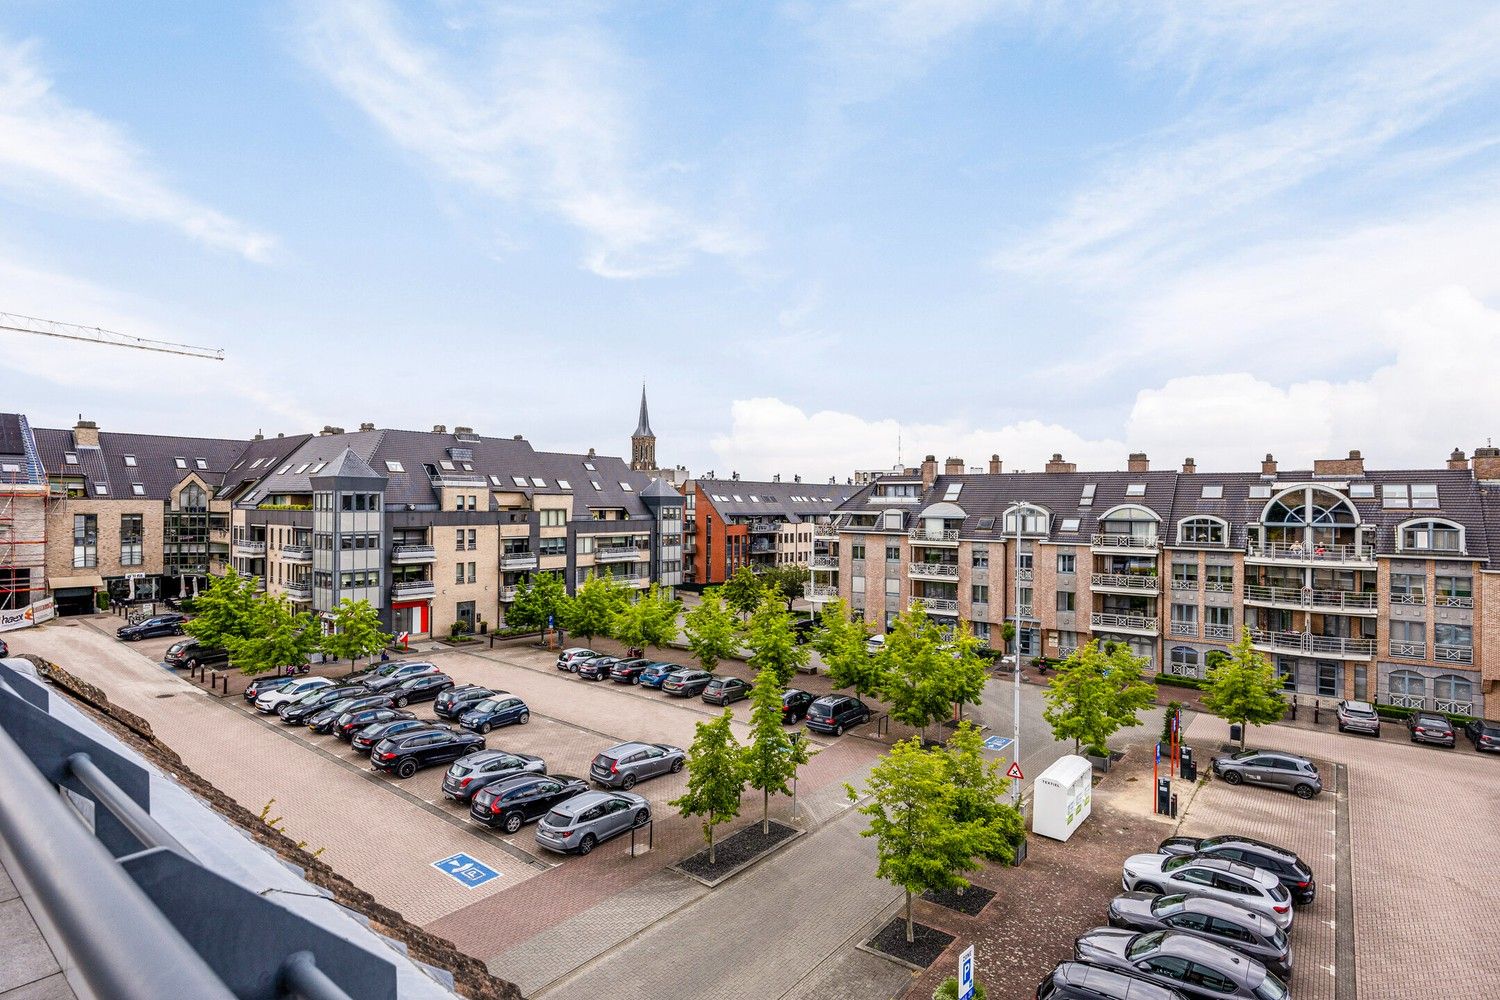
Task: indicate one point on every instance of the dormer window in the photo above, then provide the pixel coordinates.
(1432, 536)
(1031, 520)
(1201, 531)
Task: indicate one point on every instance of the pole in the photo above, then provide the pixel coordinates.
(1015, 787)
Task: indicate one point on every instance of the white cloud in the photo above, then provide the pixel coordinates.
(541, 120)
(58, 153)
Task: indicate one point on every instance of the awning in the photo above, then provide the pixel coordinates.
(75, 582)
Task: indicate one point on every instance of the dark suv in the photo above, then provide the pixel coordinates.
(835, 713)
(454, 702)
(1484, 735)
(191, 653)
(596, 668)
(169, 624)
(422, 687)
(628, 671)
(511, 802)
(468, 775)
(402, 755)
(1426, 727)
(1078, 981)
(1295, 875)
(298, 712)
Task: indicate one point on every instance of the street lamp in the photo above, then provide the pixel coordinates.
(1015, 744)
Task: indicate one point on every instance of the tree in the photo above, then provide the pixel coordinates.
(772, 757)
(786, 579)
(222, 613)
(920, 846)
(716, 777)
(969, 671)
(842, 642)
(278, 637)
(1244, 688)
(743, 592)
(1096, 693)
(772, 643)
(356, 631)
(650, 620)
(980, 791)
(916, 671)
(592, 610)
(712, 632)
(538, 600)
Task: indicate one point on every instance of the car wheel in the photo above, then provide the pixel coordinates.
(587, 844)
(1233, 777)
(1304, 791)
(513, 822)
(192, 665)
(524, 718)
(1341, 727)
(1150, 887)
(838, 730)
(628, 782)
(401, 702)
(642, 818)
(484, 727)
(635, 680)
(406, 768)
(177, 631)
(677, 765)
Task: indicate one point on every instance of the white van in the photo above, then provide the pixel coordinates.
(272, 700)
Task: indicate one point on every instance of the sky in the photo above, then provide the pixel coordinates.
(827, 236)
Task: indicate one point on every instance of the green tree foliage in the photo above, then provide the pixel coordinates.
(712, 630)
(222, 614)
(772, 757)
(917, 672)
(649, 620)
(592, 610)
(743, 592)
(980, 791)
(846, 654)
(968, 670)
(1095, 693)
(1244, 688)
(772, 643)
(920, 845)
(716, 777)
(537, 599)
(356, 631)
(278, 637)
(787, 580)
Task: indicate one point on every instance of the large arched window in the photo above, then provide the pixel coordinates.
(1202, 531)
(1407, 688)
(1452, 687)
(1183, 661)
(1033, 520)
(1130, 519)
(1310, 516)
(1430, 536)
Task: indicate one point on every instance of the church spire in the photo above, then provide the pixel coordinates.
(643, 425)
(643, 442)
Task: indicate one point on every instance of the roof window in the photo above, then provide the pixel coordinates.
(1087, 499)
(563, 484)
(71, 457)
(391, 465)
(626, 486)
(1363, 491)
(1394, 495)
(1424, 496)
(181, 463)
(519, 481)
(201, 463)
(282, 471)
(1069, 524)
(130, 461)
(101, 489)
(538, 482)
(446, 465)
(1135, 490)
(953, 491)
(1212, 493)
(1263, 492)
(138, 489)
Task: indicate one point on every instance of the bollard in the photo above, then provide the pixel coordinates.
(1174, 805)
(1317, 711)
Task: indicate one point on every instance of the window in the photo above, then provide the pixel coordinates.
(132, 536)
(1424, 496)
(1449, 588)
(1260, 493)
(458, 569)
(85, 541)
(590, 466)
(1407, 684)
(138, 489)
(519, 480)
(1183, 661)
(1219, 579)
(1185, 575)
(595, 484)
(473, 572)
(1362, 491)
(1070, 524)
(1408, 632)
(1394, 496)
(446, 465)
(1065, 600)
(857, 550)
(71, 457)
(101, 489)
(303, 467)
(538, 482)
(892, 552)
(1087, 499)
(473, 539)
(1432, 536)
(563, 484)
(1067, 562)
(1135, 490)
(282, 471)
(391, 465)
(1212, 493)
(1218, 616)
(1452, 687)
(1287, 670)
(1201, 531)
(858, 585)
(1187, 614)
(200, 463)
(181, 463)
(1025, 560)
(473, 502)
(986, 524)
(1033, 520)
(1458, 636)
(952, 492)
(979, 557)
(979, 594)
(1330, 680)
(130, 461)
(1408, 588)
(892, 586)
(554, 517)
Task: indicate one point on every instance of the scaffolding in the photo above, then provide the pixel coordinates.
(23, 526)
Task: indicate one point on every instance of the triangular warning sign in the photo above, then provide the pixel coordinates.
(1015, 771)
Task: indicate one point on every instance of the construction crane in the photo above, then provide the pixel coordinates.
(98, 335)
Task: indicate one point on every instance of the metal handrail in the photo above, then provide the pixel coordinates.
(141, 824)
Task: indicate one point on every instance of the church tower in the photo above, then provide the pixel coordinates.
(643, 442)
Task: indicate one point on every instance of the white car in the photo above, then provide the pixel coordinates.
(571, 657)
(272, 700)
(875, 643)
(1217, 878)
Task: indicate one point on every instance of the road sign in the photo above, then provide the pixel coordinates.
(466, 871)
(966, 974)
(551, 621)
(1015, 771)
(996, 743)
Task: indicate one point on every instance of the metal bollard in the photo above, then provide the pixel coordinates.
(1174, 805)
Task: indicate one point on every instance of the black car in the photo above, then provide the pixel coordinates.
(468, 775)
(350, 723)
(1428, 727)
(323, 720)
(388, 675)
(167, 624)
(1295, 875)
(628, 671)
(191, 653)
(1253, 935)
(511, 802)
(726, 690)
(261, 685)
(1484, 735)
(1080, 981)
(597, 668)
(686, 683)
(423, 687)
(403, 754)
(455, 701)
(4, 649)
(365, 739)
(794, 705)
(803, 630)
(835, 713)
(298, 712)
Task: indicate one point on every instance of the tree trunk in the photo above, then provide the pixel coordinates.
(910, 934)
(765, 812)
(711, 860)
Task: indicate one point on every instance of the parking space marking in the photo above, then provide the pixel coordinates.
(1345, 987)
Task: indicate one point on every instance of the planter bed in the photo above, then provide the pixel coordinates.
(969, 902)
(736, 852)
(927, 945)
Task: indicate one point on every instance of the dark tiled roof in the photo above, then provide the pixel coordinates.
(791, 501)
(156, 458)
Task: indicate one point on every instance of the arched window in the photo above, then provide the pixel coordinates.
(1407, 688)
(1033, 520)
(192, 498)
(1431, 536)
(1202, 531)
(1183, 661)
(1452, 687)
(1129, 519)
(1307, 517)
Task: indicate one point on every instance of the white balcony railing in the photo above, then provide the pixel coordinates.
(1456, 707)
(933, 570)
(1185, 586)
(1127, 623)
(298, 591)
(765, 527)
(1307, 597)
(1297, 552)
(825, 531)
(818, 594)
(1453, 654)
(413, 553)
(1187, 630)
(1026, 611)
(508, 594)
(518, 560)
(945, 536)
(622, 553)
(1409, 650)
(940, 604)
(1024, 574)
(1105, 540)
(296, 553)
(1126, 581)
(1453, 602)
(1306, 642)
(823, 562)
(248, 547)
(1407, 700)
(1225, 632)
(1415, 600)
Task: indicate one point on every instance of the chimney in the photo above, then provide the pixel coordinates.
(1487, 463)
(1056, 464)
(1137, 462)
(1456, 461)
(953, 467)
(796, 479)
(367, 426)
(1189, 466)
(929, 471)
(440, 428)
(258, 436)
(1268, 467)
(85, 434)
(591, 453)
(462, 430)
(515, 437)
(330, 429)
(994, 465)
(735, 476)
(1354, 465)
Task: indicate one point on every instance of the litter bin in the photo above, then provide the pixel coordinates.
(1189, 765)
(1235, 731)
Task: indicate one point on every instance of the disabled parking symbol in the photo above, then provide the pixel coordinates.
(466, 871)
(996, 743)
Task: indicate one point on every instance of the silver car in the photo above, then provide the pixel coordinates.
(1217, 878)
(589, 819)
(1358, 717)
(623, 764)
(1271, 768)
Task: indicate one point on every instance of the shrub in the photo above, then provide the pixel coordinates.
(1173, 708)
(1173, 680)
(948, 990)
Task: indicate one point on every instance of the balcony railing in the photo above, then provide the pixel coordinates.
(1456, 707)
(1411, 600)
(1407, 700)
(1128, 623)
(940, 604)
(1183, 586)
(622, 553)
(818, 594)
(249, 547)
(1218, 587)
(933, 570)
(1218, 632)
(1418, 701)
(825, 531)
(1306, 597)
(1024, 574)
(1026, 611)
(507, 594)
(1105, 540)
(764, 527)
(1126, 581)
(1296, 552)
(298, 591)
(413, 553)
(518, 560)
(945, 536)
(1453, 602)
(824, 562)
(1306, 642)
(296, 553)
(1453, 654)
(1187, 630)
(413, 588)
(1409, 650)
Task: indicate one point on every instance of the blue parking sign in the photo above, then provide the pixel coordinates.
(966, 974)
(466, 871)
(996, 743)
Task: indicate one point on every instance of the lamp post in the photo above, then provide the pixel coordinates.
(1015, 744)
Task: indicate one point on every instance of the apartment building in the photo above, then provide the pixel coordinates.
(734, 522)
(1367, 584)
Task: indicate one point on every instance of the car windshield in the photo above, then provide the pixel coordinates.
(1244, 755)
(341, 705)
(488, 705)
(1144, 944)
(1165, 906)
(1172, 864)
(1271, 988)
(1278, 938)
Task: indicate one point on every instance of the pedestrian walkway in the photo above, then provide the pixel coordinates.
(28, 969)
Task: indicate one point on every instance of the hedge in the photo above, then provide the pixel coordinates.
(1173, 680)
(1398, 713)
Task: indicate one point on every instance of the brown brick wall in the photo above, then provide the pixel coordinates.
(60, 536)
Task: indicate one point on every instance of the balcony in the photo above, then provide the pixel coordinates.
(764, 527)
(1024, 574)
(410, 590)
(1180, 586)
(823, 562)
(941, 605)
(829, 531)
(1224, 633)
(1185, 630)
(1337, 601)
(1133, 583)
(946, 536)
(641, 580)
(621, 553)
(298, 591)
(1444, 601)
(1453, 654)
(1307, 644)
(518, 560)
(1108, 621)
(1409, 650)
(297, 553)
(413, 553)
(1273, 552)
(507, 594)
(1126, 543)
(249, 547)
(821, 595)
(932, 571)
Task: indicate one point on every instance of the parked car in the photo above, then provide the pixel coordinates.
(365, 739)
(726, 690)
(835, 713)
(391, 674)
(1295, 875)
(875, 643)
(268, 701)
(1271, 768)
(794, 705)
(404, 753)
(1428, 727)
(596, 668)
(324, 720)
(167, 624)
(1196, 967)
(350, 724)
(628, 671)
(588, 819)
(265, 685)
(454, 702)
(623, 764)
(1358, 717)
(803, 630)
(422, 687)
(494, 712)
(1484, 735)
(1080, 981)
(468, 775)
(310, 704)
(511, 802)
(569, 659)
(4, 649)
(687, 683)
(1252, 934)
(1218, 878)
(655, 675)
(191, 653)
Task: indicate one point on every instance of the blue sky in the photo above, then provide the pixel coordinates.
(813, 228)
